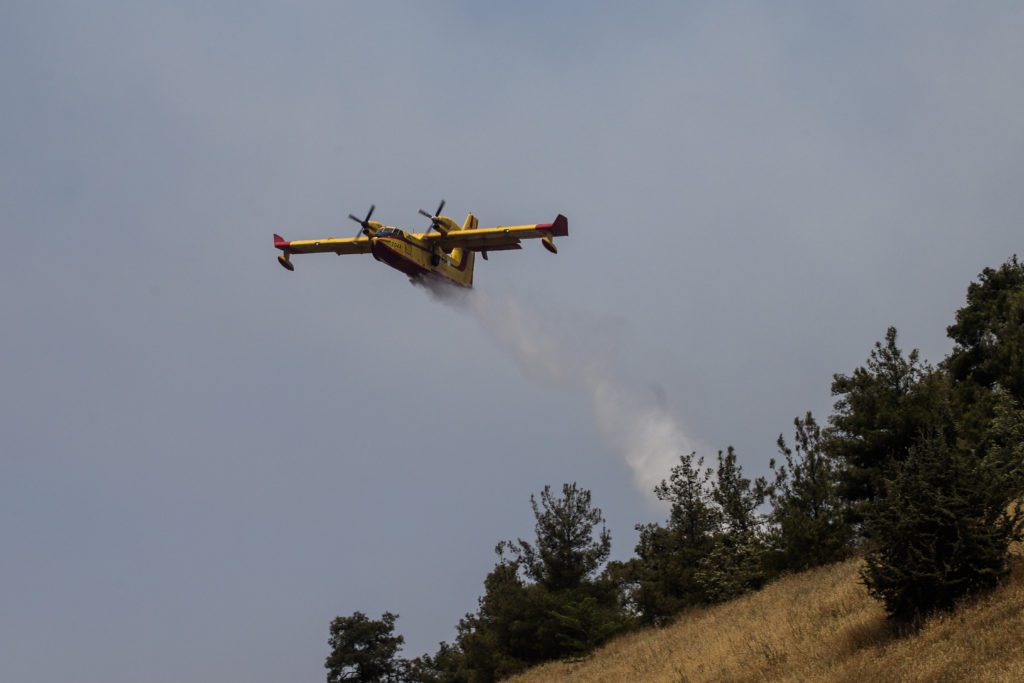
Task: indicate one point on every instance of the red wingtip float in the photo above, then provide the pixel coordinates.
(446, 249)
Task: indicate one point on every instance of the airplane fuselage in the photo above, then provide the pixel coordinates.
(414, 257)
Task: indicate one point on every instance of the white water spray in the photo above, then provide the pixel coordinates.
(560, 350)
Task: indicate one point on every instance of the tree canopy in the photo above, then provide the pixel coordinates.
(809, 524)
(565, 552)
(878, 415)
(364, 650)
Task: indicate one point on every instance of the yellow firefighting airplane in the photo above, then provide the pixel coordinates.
(446, 249)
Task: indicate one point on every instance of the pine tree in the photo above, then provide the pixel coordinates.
(500, 639)
(989, 346)
(808, 520)
(1004, 443)
(989, 331)
(565, 552)
(944, 529)
(543, 600)
(736, 563)
(447, 665)
(659, 582)
(364, 650)
(941, 453)
(879, 415)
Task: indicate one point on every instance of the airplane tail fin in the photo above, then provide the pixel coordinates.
(463, 259)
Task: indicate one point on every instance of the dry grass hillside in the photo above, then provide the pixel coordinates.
(816, 626)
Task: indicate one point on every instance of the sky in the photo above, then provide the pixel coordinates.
(205, 458)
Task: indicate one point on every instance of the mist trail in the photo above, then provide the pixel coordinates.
(567, 350)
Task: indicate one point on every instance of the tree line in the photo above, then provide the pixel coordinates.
(919, 469)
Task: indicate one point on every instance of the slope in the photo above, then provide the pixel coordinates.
(820, 625)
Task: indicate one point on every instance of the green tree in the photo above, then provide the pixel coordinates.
(736, 561)
(808, 521)
(944, 529)
(989, 331)
(989, 345)
(364, 650)
(447, 665)
(737, 497)
(1004, 442)
(711, 548)
(565, 553)
(880, 412)
(500, 638)
(659, 581)
(543, 600)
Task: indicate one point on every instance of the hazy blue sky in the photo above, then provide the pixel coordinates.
(205, 458)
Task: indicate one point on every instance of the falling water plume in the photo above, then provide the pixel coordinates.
(548, 349)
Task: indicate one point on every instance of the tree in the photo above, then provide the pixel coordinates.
(736, 561)
(543, 600)
(711, 548)
(1004, 443)
(989, 331)
(364, 650)
(808, 521)
(659, 581)
(447, 665)
(879, 415)
(989, 345)
(737, 497)
(566, 552)
(500, 638)
(575, 607)
(944, 529)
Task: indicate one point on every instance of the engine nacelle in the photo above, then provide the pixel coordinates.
(444, 225)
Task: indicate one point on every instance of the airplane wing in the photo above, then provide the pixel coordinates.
(329, 245)
(499, 238)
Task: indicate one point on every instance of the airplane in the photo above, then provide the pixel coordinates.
(446, 249)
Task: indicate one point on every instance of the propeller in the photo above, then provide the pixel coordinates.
(364, 223)
(433, 219)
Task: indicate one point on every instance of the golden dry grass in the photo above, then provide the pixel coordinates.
(817, 626)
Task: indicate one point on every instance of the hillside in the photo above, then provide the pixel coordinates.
(817, 626)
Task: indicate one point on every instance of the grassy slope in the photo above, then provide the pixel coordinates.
(816, 626)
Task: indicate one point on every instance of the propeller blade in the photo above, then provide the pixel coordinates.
(439, 208)
(424, 213)
(364, 223)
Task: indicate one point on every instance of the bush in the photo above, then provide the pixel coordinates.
(944, 529)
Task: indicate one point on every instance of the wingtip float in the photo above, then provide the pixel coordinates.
(446, 249)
